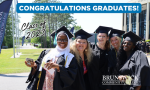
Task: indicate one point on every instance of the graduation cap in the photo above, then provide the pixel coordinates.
(115, 32)
(130, 36)
(63, 29)
(81, 34)
(103, 29)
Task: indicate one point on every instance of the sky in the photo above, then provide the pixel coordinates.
(88, 21)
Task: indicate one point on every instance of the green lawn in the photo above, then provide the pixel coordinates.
(16, 65)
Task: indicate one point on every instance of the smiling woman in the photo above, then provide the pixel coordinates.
(87, 75)
(115, 40)
(101, 48)
(62, 40)
(55, 69)
(134, 64)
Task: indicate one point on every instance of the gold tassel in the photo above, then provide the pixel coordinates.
(39, 79)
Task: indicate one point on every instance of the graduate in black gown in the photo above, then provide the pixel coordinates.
(87, 62)
(139, 44)
(101, 48)
(147, 48)
(54, 69)
(143, 46)
(113, 62)
(135, 64)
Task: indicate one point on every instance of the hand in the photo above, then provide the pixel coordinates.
(50, 65)
(138, 88)
(122, 78)
(33, 64)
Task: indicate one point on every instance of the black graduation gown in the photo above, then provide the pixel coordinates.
(112, 61)
(86, 81)
(147, 48)
(113, 69)
(103, 64)
(92, 76)
(87, 76)
(139, 45)
(143, 46)
(62, 79)
(79, 83)
(138, 68)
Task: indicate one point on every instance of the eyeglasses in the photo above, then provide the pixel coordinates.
(62, 40)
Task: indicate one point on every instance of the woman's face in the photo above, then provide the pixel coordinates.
(102, 38)
(115, 42)
(81, 44)
(62, 41)
(128, 46)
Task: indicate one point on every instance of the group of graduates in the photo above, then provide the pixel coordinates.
(81, 65)
(143, 46)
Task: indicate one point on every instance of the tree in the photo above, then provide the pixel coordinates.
(53, 22)
(76, 28)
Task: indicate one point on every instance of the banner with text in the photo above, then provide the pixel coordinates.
(78, 7)
(4, 10)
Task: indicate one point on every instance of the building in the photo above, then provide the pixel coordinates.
(139, 23)
(93, 38)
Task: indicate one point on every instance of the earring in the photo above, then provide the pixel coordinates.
(86, 50)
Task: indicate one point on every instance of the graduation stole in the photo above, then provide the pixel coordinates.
(41, 71)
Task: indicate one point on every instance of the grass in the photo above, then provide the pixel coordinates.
(16, 65)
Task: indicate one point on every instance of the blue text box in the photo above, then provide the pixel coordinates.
(78, 7)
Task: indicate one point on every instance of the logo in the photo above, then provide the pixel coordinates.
(114, 80)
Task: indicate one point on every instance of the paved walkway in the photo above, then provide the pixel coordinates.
(27, 46)
(13, 81)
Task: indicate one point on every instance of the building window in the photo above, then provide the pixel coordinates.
(127, 27)
(133, 22)
(127, 22)
(142, 24)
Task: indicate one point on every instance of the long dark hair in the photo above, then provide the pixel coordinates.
(122, 57)
(107, 45)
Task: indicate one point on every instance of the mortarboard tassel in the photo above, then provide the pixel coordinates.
(73, 38)
(55, 42)
(122, 38)
(95, 38)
